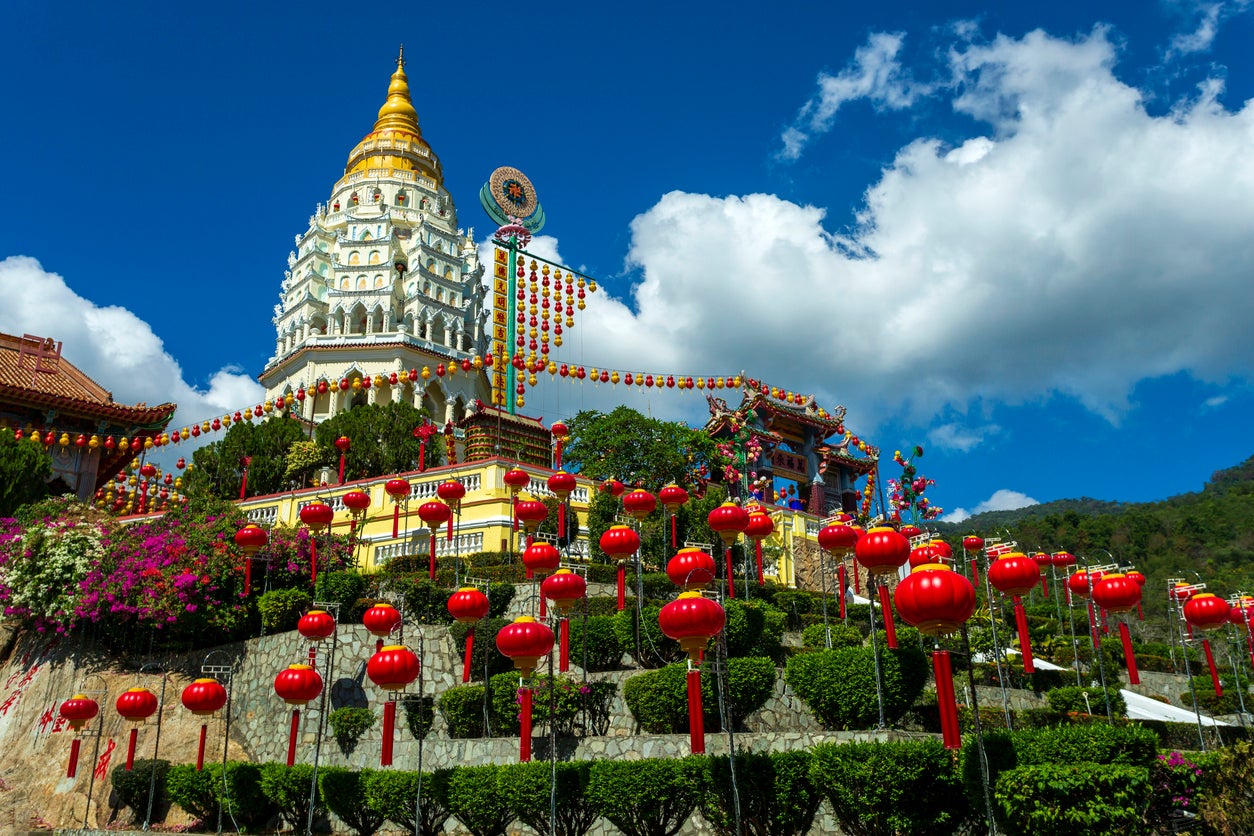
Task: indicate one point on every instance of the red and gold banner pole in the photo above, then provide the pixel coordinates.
(470, 649)
(1210, 663)
(291, 738)
(389, 732)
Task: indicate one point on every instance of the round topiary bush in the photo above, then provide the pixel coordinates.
(838, 685)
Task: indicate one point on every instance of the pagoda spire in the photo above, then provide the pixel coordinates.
(398, 113)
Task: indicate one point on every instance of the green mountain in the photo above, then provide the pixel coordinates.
(991, 521)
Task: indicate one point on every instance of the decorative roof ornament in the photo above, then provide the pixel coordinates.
(510, 200)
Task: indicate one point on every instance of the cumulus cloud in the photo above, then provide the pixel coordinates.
(953, 436)
(875, 74)
(1077, 244)
(1001, 500)
(1206, 19)
(113, 346)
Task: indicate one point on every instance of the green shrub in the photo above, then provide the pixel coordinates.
(775, 793)
(525, 788)
(393, 794)
(343, 791)
(288, 789)
(280, 609)
(349, 724)
(599, 604)
(1226, 804)
(1070, 699)
(839, 685)
(999, 756)
(885, 789)
(796, 603)
(1176, 784)
(347, 589)
(1059, 799)
(658, 700)
(843, 635)
(193, 790)
(595, 644)
(473, 797)
(1094, 743)
(462, 710)
(655, 649)
(754, 628)
(650, 797)
(131, 788)
(419, 715)
(485, 647)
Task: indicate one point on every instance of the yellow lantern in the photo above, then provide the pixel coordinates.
(552, 368)
(477, 362)
(592, 373)
(614, 378)
(93, 442)
(64, 440)
(639, 378)
(268, 406)
(700, 382)
(718, 383)
(379, 380)
(356, 384)
(148, 443)
(531, 379)
(557, 340)
(426, 372)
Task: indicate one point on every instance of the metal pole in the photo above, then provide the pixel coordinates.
(875, 652)
(156, 747)
(1188, 674)
(979, 735)
(421, 711)
(1236, 672)
(1001, 676)
(320, 728)
(1101, 661)
(827, 630)
(1075, 643)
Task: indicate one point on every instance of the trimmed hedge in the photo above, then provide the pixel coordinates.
(288, 789)
(348, 724)
(344, 793)
(1059, 799)
(839, 685)
(280, 609)
(658, 700)
(843, 635)
(656, 650)
(754, 628)
(650, 797)
(595, 644)
(198, 792)
(473, 797)
(777, 797)
(392, 794)
(1070, 699)
(485, 647)
(131, 788)
(525, 788)
(886, 789)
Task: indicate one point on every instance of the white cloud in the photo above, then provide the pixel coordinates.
(954, 436)
(1206, 18)
(1215, 402)
(113, 346)
(874, 74)
(1001, 500)
(1079, 246)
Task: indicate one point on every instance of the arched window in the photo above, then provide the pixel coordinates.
(374, 256)
(354, 259)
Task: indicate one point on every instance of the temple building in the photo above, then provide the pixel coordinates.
(382, 300)
(90, 438)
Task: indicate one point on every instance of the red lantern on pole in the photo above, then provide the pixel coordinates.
(1139, 579)
(297, 686)
(1015, 574)
(251, 539)
(562, 484)
(524, 641)
(692, 620)
(882, 551)
(392, 668)
(560, 433)
(1204, 612)
(728, 521)
(317, 515)
(613, 487)
(938, 601)
(639, 504)
(1240, 616)
(673, 498)
(343, 443)
(398, 489)
(759, 528)
(564, 588)
(78, 711)
(691, 569)
(451, 492)
(975, 544)
(1119, 593)
(468, 606)
(135, 705)
(203, 697)
(516, 479)
(620, 542)
(1043, 562)
(839, 540)
(910, 531)
(923, 555)
(380, 620)
(433, 514)
(316, 625)
(356, 502)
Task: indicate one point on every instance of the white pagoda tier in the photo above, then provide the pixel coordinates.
(383, 284)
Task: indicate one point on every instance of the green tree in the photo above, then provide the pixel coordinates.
(218, 468)
(382, 439)
(302, 458)
(25, 469)
(635, 449)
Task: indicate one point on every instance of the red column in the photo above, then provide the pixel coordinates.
(470, 648)
(840, 592)
(731, 581)
(563, 630)
(291, 738)
(130, 748)
(1210, 663)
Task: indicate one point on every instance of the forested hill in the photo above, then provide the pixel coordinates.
(1210, 532)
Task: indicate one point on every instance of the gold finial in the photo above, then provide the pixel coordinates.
(398, 111)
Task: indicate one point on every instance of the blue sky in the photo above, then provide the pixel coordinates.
(1019, 235)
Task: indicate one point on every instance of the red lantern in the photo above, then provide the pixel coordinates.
(356, 501)
(203, 697)
(883, 551)
(1119, 593)
(691, 568)
(399, 489)
(515, 480)
(728, 521)
(532, 512)
(639, 503)
(433, 514)
(316, 625)
(938, 601)
(923, 555)
(614, 487)
(564, 588)
(148, 471)
(562, 484)
(381, 619)
(251, 539)
(1015, 574)
(297, 686)
(910, 531)
(619, 542)
(759, 528)
(524, 641)
(452, 492)
(392, 668)
(673, 498)
(343, 443)
(78, 711)
(317, 515)
(692, 620)
(1078, 583)
(942, 550)
(468, 606)
(541, 557)
(839, 540)
(1205, 611)
(135, 705)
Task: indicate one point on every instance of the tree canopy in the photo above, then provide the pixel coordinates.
(25, 469)
(217, 468)
(382, 439)
(638, 450)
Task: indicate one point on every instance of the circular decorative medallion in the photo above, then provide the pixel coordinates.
(512, 192)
